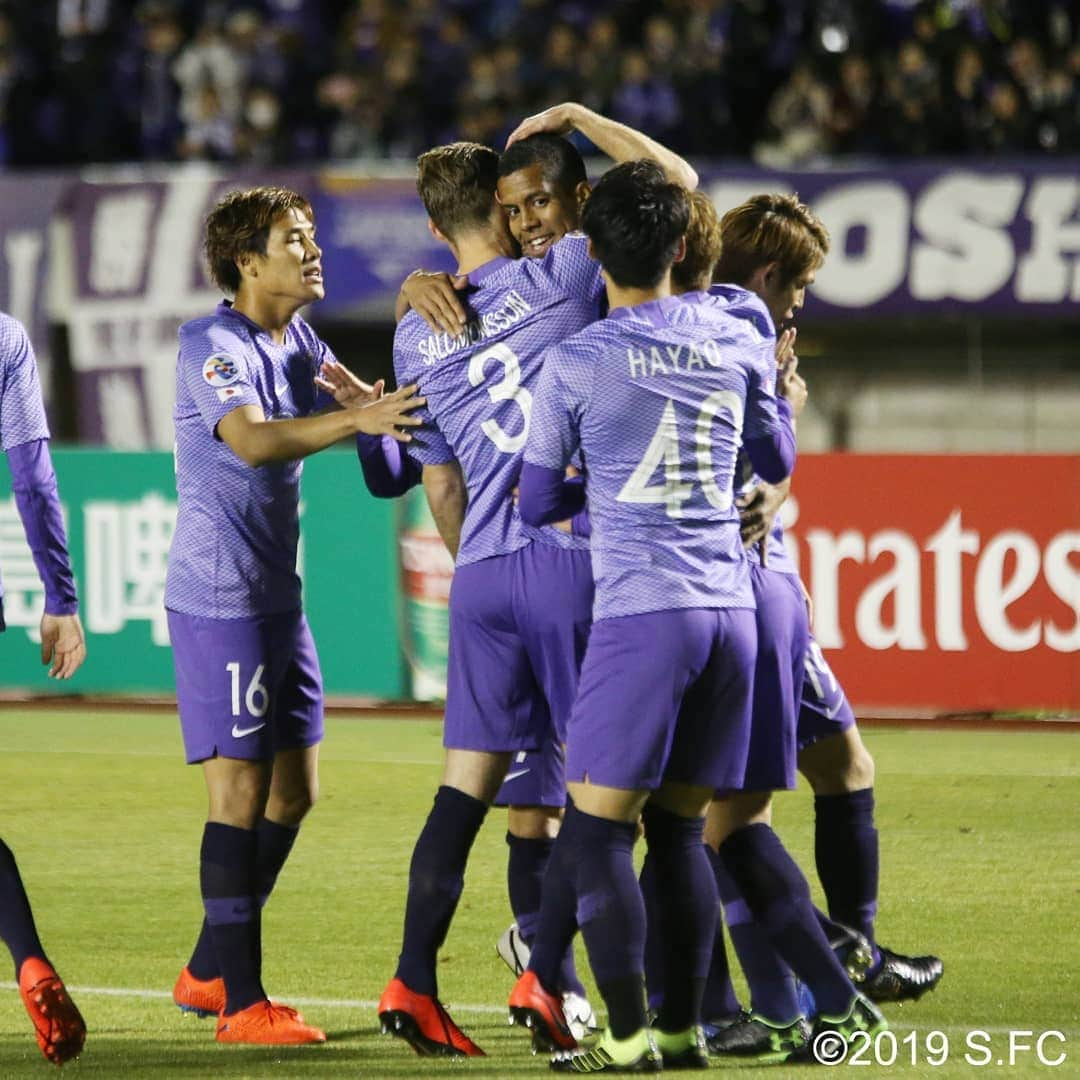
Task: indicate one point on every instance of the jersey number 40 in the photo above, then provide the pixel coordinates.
(664, 450)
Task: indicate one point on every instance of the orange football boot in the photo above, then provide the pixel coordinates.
(423, 1023)
(268, 1024)
(203, 997)
(533, 1007)
(59, 1026)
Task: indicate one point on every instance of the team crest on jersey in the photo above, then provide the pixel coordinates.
(220, 371)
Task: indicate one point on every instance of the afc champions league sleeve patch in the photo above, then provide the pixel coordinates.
(220, 371)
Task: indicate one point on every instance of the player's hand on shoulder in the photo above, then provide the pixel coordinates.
(63, 644)
(757, 508)
(349, 391)
(435, 298)
(558, 120)
(391, 413)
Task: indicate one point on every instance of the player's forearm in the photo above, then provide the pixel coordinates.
(447, 498)
(38, 503)
(622, 143)
(289, 440)
(546, 495)
(773, 456)
(388, 471)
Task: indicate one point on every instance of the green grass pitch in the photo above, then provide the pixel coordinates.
(980, 843)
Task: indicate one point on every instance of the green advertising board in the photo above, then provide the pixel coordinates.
(120, 510)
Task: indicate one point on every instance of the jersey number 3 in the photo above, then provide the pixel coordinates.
(664, 449)
(508, 388)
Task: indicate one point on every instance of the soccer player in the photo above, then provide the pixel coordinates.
(24, 435)
(772, 246)
(541, 187)
(520, 604)
(775, 1029)
(248, 685)
(659, 389)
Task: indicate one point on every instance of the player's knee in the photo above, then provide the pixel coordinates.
(533, 822)
(291, 806)
(838, 764)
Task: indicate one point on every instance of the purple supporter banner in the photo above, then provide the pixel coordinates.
(993, 240)
(906, 240)
(27, 206)
(373, 233)
(1001, 240)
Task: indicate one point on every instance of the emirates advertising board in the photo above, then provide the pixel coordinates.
(943, 582)
(939, 583)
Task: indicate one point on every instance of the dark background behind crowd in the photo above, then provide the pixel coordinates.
(783, 81)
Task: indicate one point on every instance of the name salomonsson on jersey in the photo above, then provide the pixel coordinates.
(490, 324)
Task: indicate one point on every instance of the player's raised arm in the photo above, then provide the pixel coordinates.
(619, 142)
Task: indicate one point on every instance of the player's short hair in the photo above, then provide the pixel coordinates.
(560, 162)
(240, 225)
(635, 218)
(771, 228)
(703, 246)
(456, 183)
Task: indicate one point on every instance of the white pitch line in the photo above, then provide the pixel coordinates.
(327, 1003)
(497, 1010)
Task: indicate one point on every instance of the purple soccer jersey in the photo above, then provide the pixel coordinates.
(480, 386)
(22, 413)
(233, 553)
(24, 435)
(659, 398)
(742, 304)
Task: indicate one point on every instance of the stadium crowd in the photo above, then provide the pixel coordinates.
(784, 81)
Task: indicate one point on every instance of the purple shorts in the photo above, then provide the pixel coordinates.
(246, 688)
(665, 696)
(535, 777)
(519, 624)
(824, 709)
(783, 637)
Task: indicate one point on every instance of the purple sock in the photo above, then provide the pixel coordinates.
(720, 1000)
(525, 878)
(273, 844)
(688, 907)
(778, 896)
(611, 914)
(846, 852)
(557, 920)
(654, 935)
(227, 879)
(771, 982)
(16, 919)
(436, 878)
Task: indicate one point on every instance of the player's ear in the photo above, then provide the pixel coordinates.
(680, 251)
(434, 230)
(247, 265)
(764, 278)
(581, 194)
